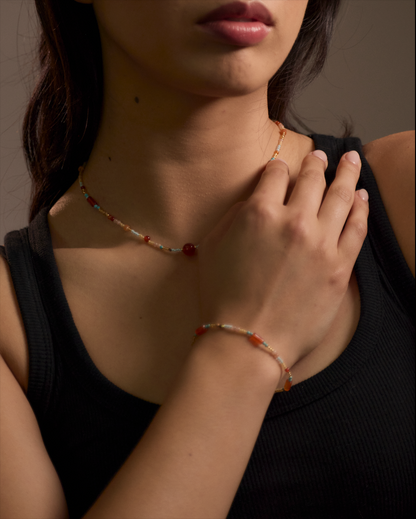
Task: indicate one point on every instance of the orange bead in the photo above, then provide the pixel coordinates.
(201, 330)
(256, 340)
(288, 385)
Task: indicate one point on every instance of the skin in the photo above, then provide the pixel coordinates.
(193, 145)
(185, 132)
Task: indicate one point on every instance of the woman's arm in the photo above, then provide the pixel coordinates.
(190, 462)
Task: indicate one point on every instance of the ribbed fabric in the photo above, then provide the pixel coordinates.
(339, 445)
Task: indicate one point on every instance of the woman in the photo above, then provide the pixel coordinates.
(108, 407)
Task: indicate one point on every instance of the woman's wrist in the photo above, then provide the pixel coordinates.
(243, 363)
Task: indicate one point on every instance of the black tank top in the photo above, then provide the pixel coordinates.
(338, 445)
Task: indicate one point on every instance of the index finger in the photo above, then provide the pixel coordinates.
(273, 183)
(311, 183)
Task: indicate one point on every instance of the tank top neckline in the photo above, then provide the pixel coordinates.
(352, 362)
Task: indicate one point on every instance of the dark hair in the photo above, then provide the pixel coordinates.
(64, 113)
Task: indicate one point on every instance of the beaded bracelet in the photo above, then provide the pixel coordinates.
(256, 341)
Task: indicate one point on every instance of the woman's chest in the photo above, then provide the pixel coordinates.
(137, 323)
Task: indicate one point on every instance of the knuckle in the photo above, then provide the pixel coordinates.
(299, 227)
(361, 229)
(339, 279)
(322, 248)
(310, 173)
(344, 193)
(350, 168)
(258, 213)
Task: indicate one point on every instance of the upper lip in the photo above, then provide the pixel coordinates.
(253, 11)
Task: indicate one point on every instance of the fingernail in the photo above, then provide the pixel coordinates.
(281, 160)
(364, 195)
(354, 157)
(320, 154)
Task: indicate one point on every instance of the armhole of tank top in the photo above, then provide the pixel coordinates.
(394, 271)
(17, 253)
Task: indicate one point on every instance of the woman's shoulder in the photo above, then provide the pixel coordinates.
(13, 341)
(392, 160)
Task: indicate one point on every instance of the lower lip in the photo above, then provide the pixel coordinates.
(237, 33)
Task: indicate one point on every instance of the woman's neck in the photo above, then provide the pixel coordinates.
(176, 178)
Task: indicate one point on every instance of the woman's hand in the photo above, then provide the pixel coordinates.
(282, 271)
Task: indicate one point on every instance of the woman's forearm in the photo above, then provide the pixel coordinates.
(190, 462)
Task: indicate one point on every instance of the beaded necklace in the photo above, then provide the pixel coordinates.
(188, 249)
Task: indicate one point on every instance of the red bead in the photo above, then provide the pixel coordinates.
(111, 218)
(287, 370)
(201, 330)
(147, 239)
(189, 249)
(91, 200)
(256, 340)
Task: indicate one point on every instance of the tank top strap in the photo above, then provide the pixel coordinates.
(19, 256)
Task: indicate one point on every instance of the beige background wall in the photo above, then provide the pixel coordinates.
(370, 77)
